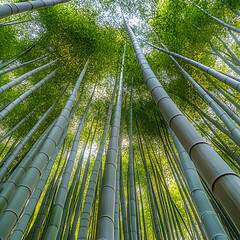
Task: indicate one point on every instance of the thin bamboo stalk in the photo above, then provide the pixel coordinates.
(131, 180)
(24, 76)
(236, 70)
(22, 97)
(3, 65)
(234, 57)
(116, 213)
(231, 27)
(22, 64)
(15, 127)
(234, 37)
(232, 82)
(20, 146)
(24, 221)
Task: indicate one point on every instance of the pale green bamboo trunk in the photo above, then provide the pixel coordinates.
(22, 225)
(14, 8)
(25, 219)
(58, 206)
(123, 203)
(20, 146)
(105, 225)
(10, 185)
(117, 209)
(232, 127)
(131, 183)
(81, 193)
(145, 236)
(155, 213)
(229, 151)
(231, 113)
(234, 57)
(231, 66)
(14, 23)
(216, 124)
(71, 200)
(233, 102)
(234, 37)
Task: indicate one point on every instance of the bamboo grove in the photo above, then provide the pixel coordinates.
(119, 120)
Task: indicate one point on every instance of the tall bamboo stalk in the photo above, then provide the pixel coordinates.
(236, 70)
(58, 206)
(117, 200)
(131, 181)
(22, 97)
(14, 8)
(3, 65)
(230, 81)
(20, 146)
(24, 76)
(231, 27)
(14, 67)
(105, 225)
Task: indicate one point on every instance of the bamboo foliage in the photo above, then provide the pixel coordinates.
(62, 180)
(15, 127)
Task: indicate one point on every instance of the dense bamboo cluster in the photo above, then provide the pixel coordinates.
(90, 169)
